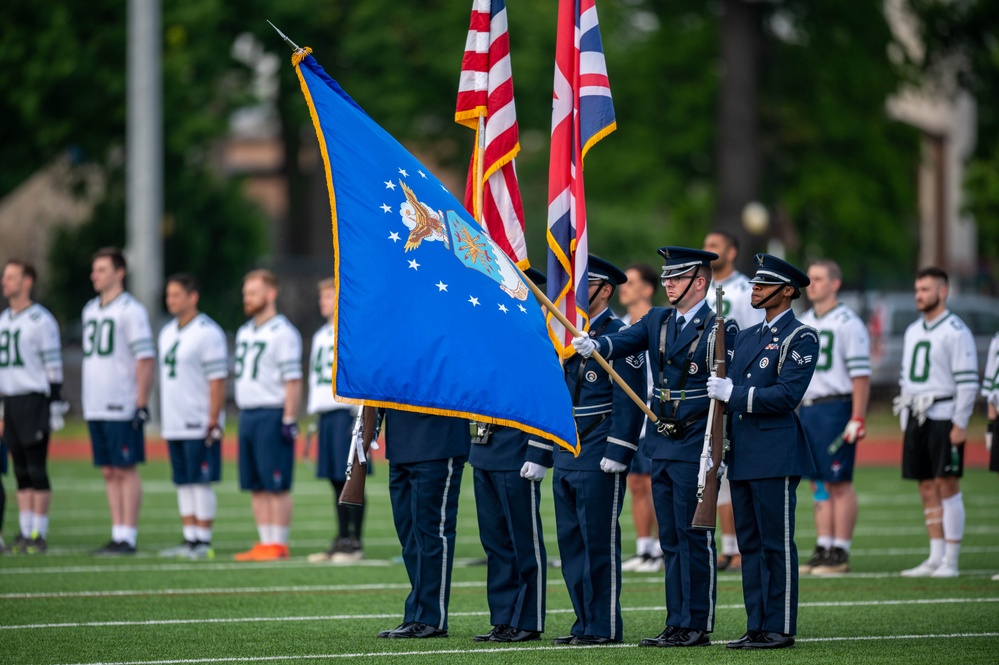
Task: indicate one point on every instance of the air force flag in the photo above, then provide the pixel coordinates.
(431, 315)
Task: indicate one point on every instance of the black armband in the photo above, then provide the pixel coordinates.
(55, 392)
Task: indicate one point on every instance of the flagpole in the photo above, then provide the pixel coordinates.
(480, 160)
(550, 306)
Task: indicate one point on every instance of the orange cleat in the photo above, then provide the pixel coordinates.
(279, 552)
(252, 554)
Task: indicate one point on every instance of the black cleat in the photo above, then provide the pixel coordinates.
(819, 557)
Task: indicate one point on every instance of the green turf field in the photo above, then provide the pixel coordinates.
(69, 607)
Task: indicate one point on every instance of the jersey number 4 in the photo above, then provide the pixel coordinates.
(10, 349)
(257, 348)
(324, 368)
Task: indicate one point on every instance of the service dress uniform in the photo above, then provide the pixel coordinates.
(426, 455)
(679, 357)
(771, 367)
(588, 501)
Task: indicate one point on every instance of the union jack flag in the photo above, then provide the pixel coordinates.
(582, 114)
(485, 91)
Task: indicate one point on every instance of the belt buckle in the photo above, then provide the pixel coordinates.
(664, 395)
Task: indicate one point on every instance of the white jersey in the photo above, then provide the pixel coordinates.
(190, 357)
(844, 351)
(115, 337)
(30, 353)
(321, 372)
(990, 383)
(266, 358)
(737, 300)
(939, 360)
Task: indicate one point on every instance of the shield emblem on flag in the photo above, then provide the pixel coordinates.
(477, 250)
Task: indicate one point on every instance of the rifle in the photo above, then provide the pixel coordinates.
(715, 444)
(365, 433)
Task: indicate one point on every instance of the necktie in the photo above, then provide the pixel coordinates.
(674, 329)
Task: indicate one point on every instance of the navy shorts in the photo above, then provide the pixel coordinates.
(194, 463)
(336, 429)
(266, 463)
(823, 424)
(640, 463)
(927, 453)
(116, 443)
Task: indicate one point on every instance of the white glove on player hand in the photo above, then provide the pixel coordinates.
(532, 471)
(988, 441)
(610, 466)
(719, 388)
(584, 345)
(57, 410)
(854, 430)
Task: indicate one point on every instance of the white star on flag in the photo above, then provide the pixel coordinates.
(394, 237)
(414, 265)
(389, 184)
(474, 301)
(441, 286)
(522, 308)
(422, 174)
(386, 207)
(403, 173)
(503, 308)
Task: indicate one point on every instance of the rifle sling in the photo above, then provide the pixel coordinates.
(662, 363)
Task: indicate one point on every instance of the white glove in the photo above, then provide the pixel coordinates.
(720, 389)
(854, 430)
(584, 345)
(56, 412)
(988, 441)
(610, 466)
(532, 471)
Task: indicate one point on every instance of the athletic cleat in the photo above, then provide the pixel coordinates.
(20, 544)
(819, 557)
(925, 569)
(837, 563)
(634, 562)
(115, 548)
(180, 551)
(946, 569)
(995, 578)
(3, 547)
(251, 554)
(349, 552)
(200, 551)
(654, 564)
(37, 545)
(730, 562)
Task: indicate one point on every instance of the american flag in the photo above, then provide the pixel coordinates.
(485, 91)
(582, 114)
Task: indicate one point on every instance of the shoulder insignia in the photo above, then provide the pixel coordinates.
(800, 359)
(636, 360)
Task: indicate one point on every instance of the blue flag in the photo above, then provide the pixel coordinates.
(431, 315)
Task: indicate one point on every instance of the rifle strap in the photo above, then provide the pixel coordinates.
(662, 364)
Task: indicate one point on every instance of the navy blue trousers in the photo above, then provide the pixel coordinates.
(764, 525)
(425, 508)
(587, 508)
(691, 576)
(508, 507)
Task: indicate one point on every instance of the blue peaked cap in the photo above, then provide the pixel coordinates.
(598, 268)
(681, 260)
(771, 270)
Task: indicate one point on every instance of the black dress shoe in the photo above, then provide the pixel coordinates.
(591, 640)
(516, 635)
(385, 633)
(744, 640)
(496, 630)
(563, 640)
(417, 630)
(688, 637)
(770, 641)
(661, 640)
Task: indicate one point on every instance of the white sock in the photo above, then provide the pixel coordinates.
(730, 546)
(842, 543)
(936, 550)
(185, 500)
(190, 533)
(280, 534)
(25, 518)
(40, 525)
(825, 542)
(264, 533)
(129, 534)
(953, 518)
(204, 502)
(951, 551)
(203, 534)
(116, 533)
(657, 549)
(643, 546)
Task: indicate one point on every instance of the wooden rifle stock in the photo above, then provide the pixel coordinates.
(705, 515)
(357, 471)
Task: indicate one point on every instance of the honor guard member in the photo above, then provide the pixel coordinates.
(335, 424)
(589, 489)
(509, 465)
(679, 340)
(939, 382)
(268, 373)
(31, 395)
(832, 413)
(736, 305)
(771, 367)
(990, 391)
(193, 369)
(118, 366)
(426, 455)
(636, 296)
